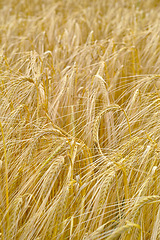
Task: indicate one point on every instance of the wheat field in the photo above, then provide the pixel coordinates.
(79, 120)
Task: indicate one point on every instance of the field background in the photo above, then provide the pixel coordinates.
(79, 120)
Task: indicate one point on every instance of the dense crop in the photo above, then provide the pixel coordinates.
(79, 120)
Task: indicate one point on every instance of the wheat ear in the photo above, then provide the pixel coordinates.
(117, 233)
(97, 123)
(143, 201)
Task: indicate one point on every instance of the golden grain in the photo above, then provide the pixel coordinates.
(79, 120)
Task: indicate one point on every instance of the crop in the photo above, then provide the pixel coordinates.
(79, 120)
